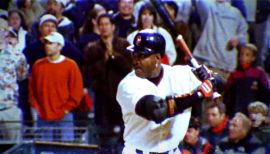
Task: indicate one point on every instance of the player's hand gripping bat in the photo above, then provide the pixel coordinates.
(218, 80)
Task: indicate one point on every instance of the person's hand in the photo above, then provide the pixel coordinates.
(232, 43)
(109, 49)
(202, 72)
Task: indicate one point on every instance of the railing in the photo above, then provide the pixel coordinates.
(37, 140)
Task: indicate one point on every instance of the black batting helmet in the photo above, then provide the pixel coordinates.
(148, 42)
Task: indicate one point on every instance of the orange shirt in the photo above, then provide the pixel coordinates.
(55, 88)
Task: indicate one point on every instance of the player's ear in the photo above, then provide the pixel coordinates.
(158, 56)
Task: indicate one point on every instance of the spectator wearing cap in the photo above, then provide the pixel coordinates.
(239, 139)
(260, 122)
(193, 143)
(64, 25)
(53, 97)
(13, 68)
(36, 50)
(106, 62)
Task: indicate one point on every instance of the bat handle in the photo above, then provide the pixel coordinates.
(194, 62)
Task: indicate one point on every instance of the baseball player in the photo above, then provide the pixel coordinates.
(156, 99)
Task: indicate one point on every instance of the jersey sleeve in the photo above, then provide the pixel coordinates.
(129, 93)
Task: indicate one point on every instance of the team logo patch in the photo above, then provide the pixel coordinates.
(138, 40)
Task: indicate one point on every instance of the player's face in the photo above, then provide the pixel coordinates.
(214, 117)
(145, 66)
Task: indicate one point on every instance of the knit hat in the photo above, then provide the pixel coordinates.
(47, 17)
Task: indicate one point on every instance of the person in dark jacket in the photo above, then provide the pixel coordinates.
(34, 51)
(258, 112)
(106, 63)
(89, 31)
(193, 141)
(64, 25)
(239, 139)
(124, 19)
(248, 83)
(217, 122)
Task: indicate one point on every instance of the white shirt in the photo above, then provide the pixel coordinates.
(146, 135)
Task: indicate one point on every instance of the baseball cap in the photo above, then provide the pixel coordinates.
(47, 17)
(55, 37)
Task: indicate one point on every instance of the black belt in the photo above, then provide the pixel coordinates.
(166, 152)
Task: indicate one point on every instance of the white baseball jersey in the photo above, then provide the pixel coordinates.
(147, 135)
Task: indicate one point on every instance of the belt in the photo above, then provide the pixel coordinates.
(166, 152)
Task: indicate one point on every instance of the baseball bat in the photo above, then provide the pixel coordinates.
(183, 46)
(158, 4)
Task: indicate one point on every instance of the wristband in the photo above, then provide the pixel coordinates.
(171, 105)
(206, 88)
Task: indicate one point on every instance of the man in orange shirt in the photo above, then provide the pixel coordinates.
(55, 89)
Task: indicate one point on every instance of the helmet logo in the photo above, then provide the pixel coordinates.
(138, 40)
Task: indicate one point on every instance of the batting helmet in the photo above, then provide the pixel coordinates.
(147, 42)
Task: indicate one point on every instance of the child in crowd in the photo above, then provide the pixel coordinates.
(260, 123)
(248, 83)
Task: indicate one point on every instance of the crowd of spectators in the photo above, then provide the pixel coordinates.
(232, 37)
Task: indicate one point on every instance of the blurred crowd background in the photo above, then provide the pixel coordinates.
(231, 37)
